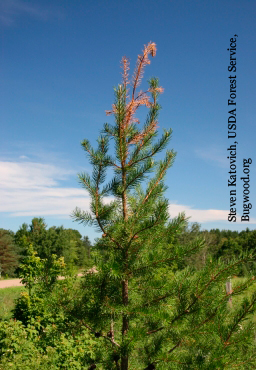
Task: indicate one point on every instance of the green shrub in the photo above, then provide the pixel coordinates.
(20, 348)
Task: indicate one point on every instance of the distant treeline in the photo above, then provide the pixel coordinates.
(224, 244)
(76, 250)
(46, 241)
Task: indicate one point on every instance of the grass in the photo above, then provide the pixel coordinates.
(7, 300)
(237, 300)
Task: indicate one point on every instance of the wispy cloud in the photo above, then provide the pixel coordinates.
(214, 155)
(30, 189)
(12, 10)
(36, 152)
(30, 175)
(38, 189)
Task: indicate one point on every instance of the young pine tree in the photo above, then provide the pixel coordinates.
(151, 314)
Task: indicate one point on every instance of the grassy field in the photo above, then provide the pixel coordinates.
(237, 300)
(7, 298)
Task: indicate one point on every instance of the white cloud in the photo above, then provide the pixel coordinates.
(202, 215)
(30, 189)
(30, 175)
(57, 201)
(34, 189)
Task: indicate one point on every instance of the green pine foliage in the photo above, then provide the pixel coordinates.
(152, 309)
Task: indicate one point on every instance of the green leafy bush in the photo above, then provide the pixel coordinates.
(20, 348)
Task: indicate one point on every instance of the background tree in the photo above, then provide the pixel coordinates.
(151, 314)
(62, 242)
(210, 246)
(84, 252)
(35, 234)
(22, 240)
(9, 258)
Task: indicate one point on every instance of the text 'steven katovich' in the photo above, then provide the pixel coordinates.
(232, 149)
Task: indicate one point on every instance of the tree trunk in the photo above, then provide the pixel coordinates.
(124, 362)
(125, 327)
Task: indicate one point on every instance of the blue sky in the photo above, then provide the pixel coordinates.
(60, 61)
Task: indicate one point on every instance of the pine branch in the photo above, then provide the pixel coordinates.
(153, 151)
(125, 66)
(85, 180)
(176, 346)
(239, 319)
(82, 216)
(155, 331)
(241, 363)
(141, 63)
(164, 166)
(188, 309)
(210, 317)
(136, 176)
(152, 265)
(99, 334)
(109, 130)
(156, 300)
(148, 224)
(162, 261)
(107, 234)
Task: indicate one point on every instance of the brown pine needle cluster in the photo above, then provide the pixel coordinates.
(142, 98)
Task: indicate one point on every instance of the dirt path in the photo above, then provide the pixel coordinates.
(9, 283)
(17, 282)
